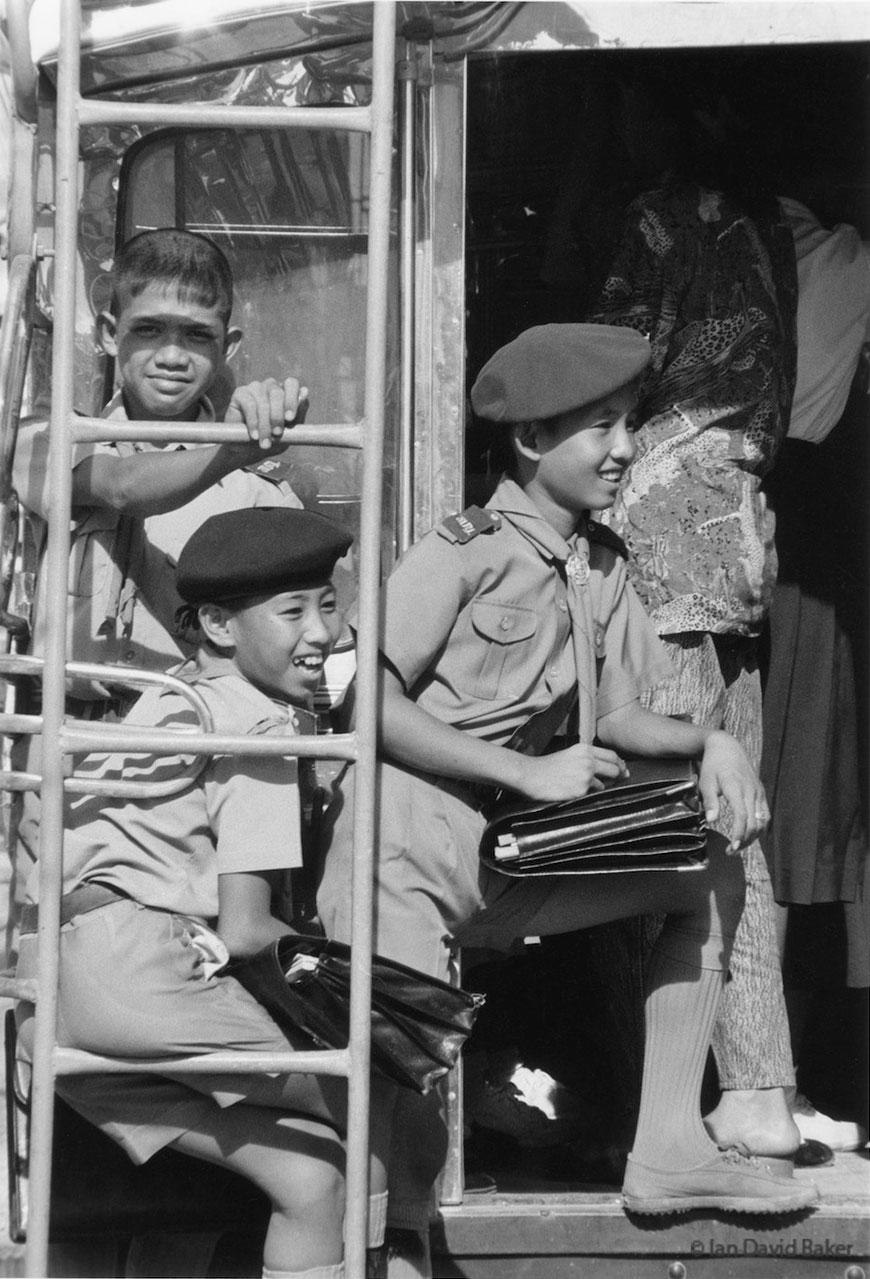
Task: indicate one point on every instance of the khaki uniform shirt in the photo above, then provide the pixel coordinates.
(480, 631)
(239, 813)
(122, 569)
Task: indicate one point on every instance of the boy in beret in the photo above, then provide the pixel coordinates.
(499, 624)
(160, 892)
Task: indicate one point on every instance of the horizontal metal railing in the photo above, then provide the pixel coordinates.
(210, 115)
(89, 736)
(332, 1061)
(92, 430)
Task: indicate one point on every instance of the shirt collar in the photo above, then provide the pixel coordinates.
(116, 412)
(510, 500)
(207, 666)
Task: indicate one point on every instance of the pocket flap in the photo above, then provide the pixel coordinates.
(503, 623)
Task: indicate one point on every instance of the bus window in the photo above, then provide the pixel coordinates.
(290, 210)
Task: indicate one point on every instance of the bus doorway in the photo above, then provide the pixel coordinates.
(545, 169)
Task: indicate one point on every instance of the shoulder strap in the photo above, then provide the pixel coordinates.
(468, 524)
(257, 469)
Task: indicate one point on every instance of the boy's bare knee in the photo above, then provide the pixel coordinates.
(307, 1188)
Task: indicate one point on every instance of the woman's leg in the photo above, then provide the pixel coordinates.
(717, 683)
(299, 1164)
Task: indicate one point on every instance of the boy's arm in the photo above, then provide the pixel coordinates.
(411, 735)
(245, 920)
(160, 480)
(725, 774)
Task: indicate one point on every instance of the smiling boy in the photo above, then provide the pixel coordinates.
(499, 625)
(135, 505)
(159, 892)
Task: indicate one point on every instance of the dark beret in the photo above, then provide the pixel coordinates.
(555, 368)
(258, 551)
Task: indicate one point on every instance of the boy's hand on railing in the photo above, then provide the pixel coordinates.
(267, 409)
(569, 773)
(727, 775)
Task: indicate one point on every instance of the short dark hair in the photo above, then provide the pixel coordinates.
(169, 256)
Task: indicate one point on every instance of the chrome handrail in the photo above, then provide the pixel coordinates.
(15, 334)
(172, 739)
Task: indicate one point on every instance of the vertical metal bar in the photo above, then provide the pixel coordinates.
(24, 79)
(407, 270)
(180, 193)
(440, 305)
(370, 543)
(57, 559)
(16, 334)
(22, 205)
(451, 1189)
(441, 472)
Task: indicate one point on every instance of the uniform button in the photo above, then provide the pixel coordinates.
(554, 672)
(130, 655)
(506, 623)
(563, 605)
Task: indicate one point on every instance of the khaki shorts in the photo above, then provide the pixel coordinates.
(131, 985)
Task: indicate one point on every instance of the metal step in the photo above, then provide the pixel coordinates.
(585, 1234)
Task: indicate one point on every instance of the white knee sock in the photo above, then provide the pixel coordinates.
(377, 1219)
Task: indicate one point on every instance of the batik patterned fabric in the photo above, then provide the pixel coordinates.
(716, 293)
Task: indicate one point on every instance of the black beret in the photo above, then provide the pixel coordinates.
(258, 551)
(555, 368)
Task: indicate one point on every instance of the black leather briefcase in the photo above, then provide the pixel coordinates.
(652, 821)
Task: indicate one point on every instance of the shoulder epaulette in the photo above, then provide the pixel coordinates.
(262, 470)
(605, 536)
(469, 523)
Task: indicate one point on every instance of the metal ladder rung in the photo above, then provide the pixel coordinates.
(85, 739)
(328, 1061)
(91, 430)
(132, 740)
(81, 736)
(210, 115)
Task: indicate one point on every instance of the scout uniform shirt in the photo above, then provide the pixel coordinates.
(238, 812)
(122, 569)
(488, 631)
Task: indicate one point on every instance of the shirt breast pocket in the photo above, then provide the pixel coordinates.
(504, 633)
(91, 561)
